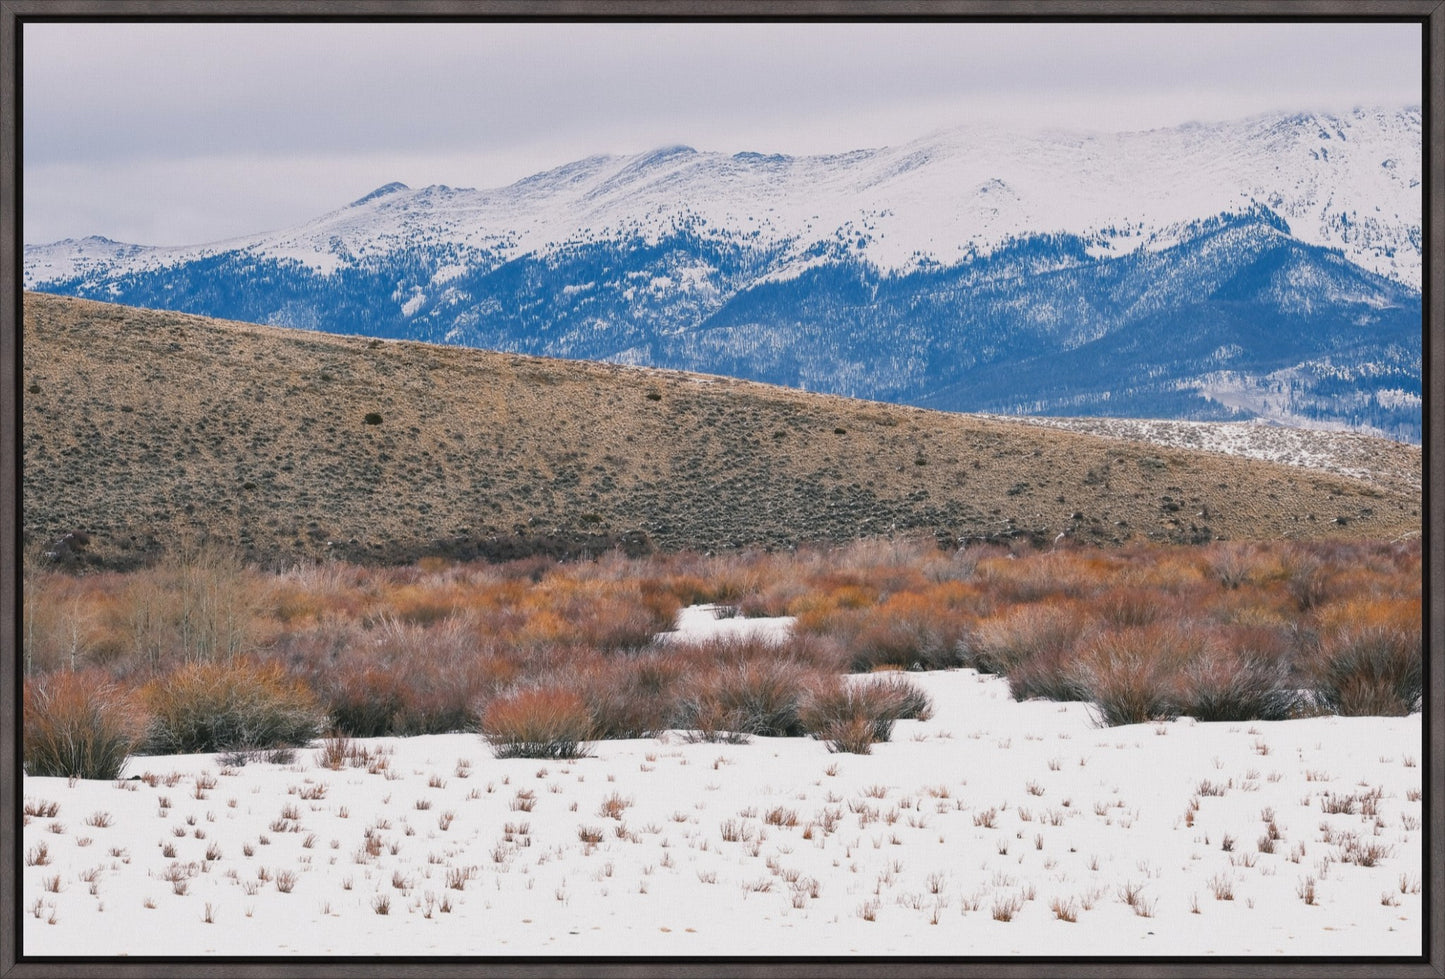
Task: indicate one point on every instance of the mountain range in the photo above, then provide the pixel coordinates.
(1266, 268)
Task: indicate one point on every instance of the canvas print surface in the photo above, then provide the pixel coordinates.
(656, 490)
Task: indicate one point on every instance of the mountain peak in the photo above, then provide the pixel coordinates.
(382, 191)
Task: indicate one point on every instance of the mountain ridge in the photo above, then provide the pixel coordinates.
(1110, 165)
(919, 274)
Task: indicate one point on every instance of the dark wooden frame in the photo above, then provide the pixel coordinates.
(1430, 14)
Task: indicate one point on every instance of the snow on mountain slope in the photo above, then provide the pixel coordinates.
(1388, 464)
(1350, 182)
(70, 258)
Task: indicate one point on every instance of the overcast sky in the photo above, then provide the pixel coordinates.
(186, 133)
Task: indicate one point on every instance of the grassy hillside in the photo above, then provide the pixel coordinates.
(144, 428)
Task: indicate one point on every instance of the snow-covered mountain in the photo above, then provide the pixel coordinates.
(925, 273)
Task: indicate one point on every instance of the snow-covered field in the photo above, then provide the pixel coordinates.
(990, 809)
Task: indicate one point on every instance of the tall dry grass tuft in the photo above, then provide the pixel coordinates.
(912, 630)
(539, 722)
(236, 705)
(853, 715)
(1130, 676)
(1373, 670)
(78, 724)
(748, 687)
(1233, 684)
(1025, 633)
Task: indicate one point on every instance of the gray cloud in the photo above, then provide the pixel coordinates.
(184, 132)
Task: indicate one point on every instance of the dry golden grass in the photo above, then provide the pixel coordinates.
(142, 429)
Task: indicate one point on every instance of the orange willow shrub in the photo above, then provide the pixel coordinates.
(1253, 607)
(1051, 575)
(364, 701)
(633, 696)
(1375, 670)
(833, 608)
(743, 687)
(1043, 632)
(748, 697)
(313, 592)
(424, 603)
(697, 579)
(229, 705)
(1131, 675)
(78, 724)
(1123, 605)
(616, 616)
(1164, 568)
(400, 678)
(923, 629)
(1220, 683)
(1369, 657)
(660, 599)
(853, 715)
(1035, 646)
(596, 612)
(547, 721)
(1236, 563)
(1392, 612)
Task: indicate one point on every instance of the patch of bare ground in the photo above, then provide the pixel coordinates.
(143, 428)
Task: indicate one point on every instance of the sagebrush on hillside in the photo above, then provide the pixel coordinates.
(306, 445)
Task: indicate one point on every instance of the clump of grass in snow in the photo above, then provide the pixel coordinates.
(78, 725)
(851, 716)
(206, 707)
(539, 722)
(748, 694)
(1370, 670)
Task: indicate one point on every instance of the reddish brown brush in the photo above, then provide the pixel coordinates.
(1227, 631)
(78, 725)
(539, 722)
(235, 704)
(851, 716)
